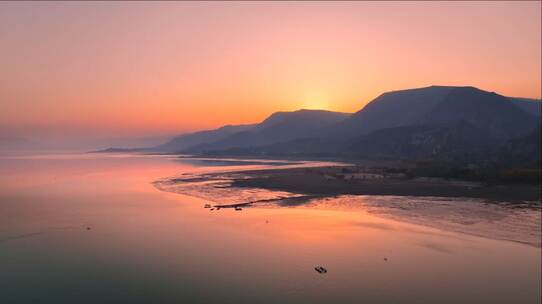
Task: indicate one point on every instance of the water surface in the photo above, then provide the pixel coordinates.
(94, 229)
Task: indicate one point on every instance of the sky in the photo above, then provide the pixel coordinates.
(117, 69)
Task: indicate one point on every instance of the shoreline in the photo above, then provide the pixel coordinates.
(332, 181)
(450, 205)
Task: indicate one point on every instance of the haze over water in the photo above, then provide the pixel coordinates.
(93, 228)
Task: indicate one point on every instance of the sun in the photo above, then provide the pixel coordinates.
(315, 102)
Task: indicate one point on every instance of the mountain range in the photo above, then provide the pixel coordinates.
(435, 121)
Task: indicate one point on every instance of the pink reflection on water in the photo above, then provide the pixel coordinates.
(169, 239)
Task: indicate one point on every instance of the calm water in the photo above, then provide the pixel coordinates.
(151, 246)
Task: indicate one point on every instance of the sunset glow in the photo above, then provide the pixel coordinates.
(163, 68)
(270, 152)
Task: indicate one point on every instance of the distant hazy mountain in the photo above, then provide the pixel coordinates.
(432, 121)
(435, 121)
(186, 141)
(408, 142)
(279, 127)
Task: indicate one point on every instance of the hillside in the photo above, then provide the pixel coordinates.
(531, 106)
(406, 123)
(495, 114)
(187, 141)
(423, 141)
(279, 127)
(434, 122)
(501, 116)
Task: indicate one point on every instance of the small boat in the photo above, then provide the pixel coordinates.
(238, 208)
(320, 269)
(207, 206)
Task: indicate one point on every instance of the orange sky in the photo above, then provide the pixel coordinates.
(154, 68)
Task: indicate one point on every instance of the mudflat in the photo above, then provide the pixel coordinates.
(328, 181)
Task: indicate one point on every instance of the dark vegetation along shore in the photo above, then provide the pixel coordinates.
(331, 181)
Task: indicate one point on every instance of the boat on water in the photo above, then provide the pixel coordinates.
(320, 269)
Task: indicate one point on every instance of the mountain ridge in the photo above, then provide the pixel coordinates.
(500, 118)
